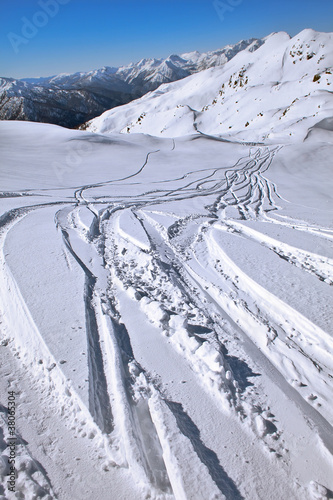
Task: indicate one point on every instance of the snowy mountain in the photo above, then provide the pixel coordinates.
(67, 104)
(166, 316)
(72, 99)
(150, 73)
(282, 89)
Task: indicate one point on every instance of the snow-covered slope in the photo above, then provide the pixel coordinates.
(72, 99)
(165, 316)
(278, 92)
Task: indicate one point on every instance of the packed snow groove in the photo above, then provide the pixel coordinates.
(166, 304)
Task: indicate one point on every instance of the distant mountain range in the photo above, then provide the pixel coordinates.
(72, 99)
(282, 91)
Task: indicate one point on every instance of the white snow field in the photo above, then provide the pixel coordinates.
(166, 302)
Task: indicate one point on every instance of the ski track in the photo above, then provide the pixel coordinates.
(199, 301)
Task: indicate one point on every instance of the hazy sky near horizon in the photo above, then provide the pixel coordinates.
(47, 37)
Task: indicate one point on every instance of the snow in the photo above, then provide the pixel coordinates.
(269, 94)
(165, 302)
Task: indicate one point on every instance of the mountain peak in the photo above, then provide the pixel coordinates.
(280, 90)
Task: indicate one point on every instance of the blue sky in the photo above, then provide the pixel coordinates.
(79, 35)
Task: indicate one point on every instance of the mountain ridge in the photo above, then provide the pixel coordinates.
(72, 99)
(279, 91)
